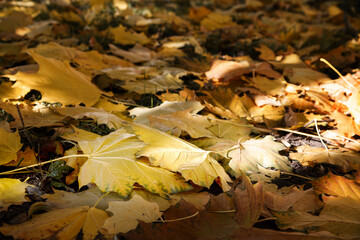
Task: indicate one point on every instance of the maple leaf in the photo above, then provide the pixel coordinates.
(234, 130)
(195, 125)
(36, 116)
(166, 107)
(339, 216)
(9, 146)
(338, 186)
(112, 165)
(309, 155)
(90, 197)
(288, 198)
(136, 54)
(228, 70)
(12, 190)
(248, 202)
(63, 223)
(251, 154)
(86, 62)
(177, 155)
(24, 158)
(353, 106)
(124, 37)
(99, 115)
(58, 82)
(127, 214)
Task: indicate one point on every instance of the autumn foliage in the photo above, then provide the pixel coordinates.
(179, 120)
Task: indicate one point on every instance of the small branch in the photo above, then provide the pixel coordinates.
(42, 163)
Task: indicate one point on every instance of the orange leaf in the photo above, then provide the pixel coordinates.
(338, 186)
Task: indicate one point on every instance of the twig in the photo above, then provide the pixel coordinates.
(338, 73)
(42, 163)
(318, 132)
(177, 219)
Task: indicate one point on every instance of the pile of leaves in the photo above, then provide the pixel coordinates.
(179, 119)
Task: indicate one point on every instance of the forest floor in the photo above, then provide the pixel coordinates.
(179, 119)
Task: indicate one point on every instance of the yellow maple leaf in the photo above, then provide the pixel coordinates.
(126, 214)
(112, 165)
(310, 155)
(335, 185)
(25, 158)
(9, 146)
(178, 155)
(125, 37)
(195, 125)
(249, 156)
(58, 82)
(12, 190)
(63, 223)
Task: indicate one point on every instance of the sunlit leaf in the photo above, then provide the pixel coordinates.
(112, 165)
(127, 214)
(9, 146)
(178, 155)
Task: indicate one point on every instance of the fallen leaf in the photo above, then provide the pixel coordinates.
(63, 199)
(177, 155)
(217, 20)
(248, 202)
(126, 37)
(340, 216)
(195, 125)
(127, 214)
(112, 165)
(9, 146)
(36, 116)
(99, 115)
(141, 113)
(249, 155)
(63, 223)
(312, 155)
(80, 135)
(233, 130)
(24, 158)
(226, 71)
(335, 185)
(58, 82)
(12, 191)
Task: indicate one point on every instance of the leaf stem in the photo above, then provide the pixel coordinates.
(301, 133)
(338, 73)
(42, 163)
(177, 219)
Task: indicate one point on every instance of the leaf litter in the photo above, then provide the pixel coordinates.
(212, 120)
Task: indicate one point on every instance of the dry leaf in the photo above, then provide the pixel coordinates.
(112, 165)
(12, 191)
(249, 155)
(9, 146)
(177, 155)
(58, 82)
(127, 214)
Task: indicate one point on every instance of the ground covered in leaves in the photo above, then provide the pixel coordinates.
(179, 119)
